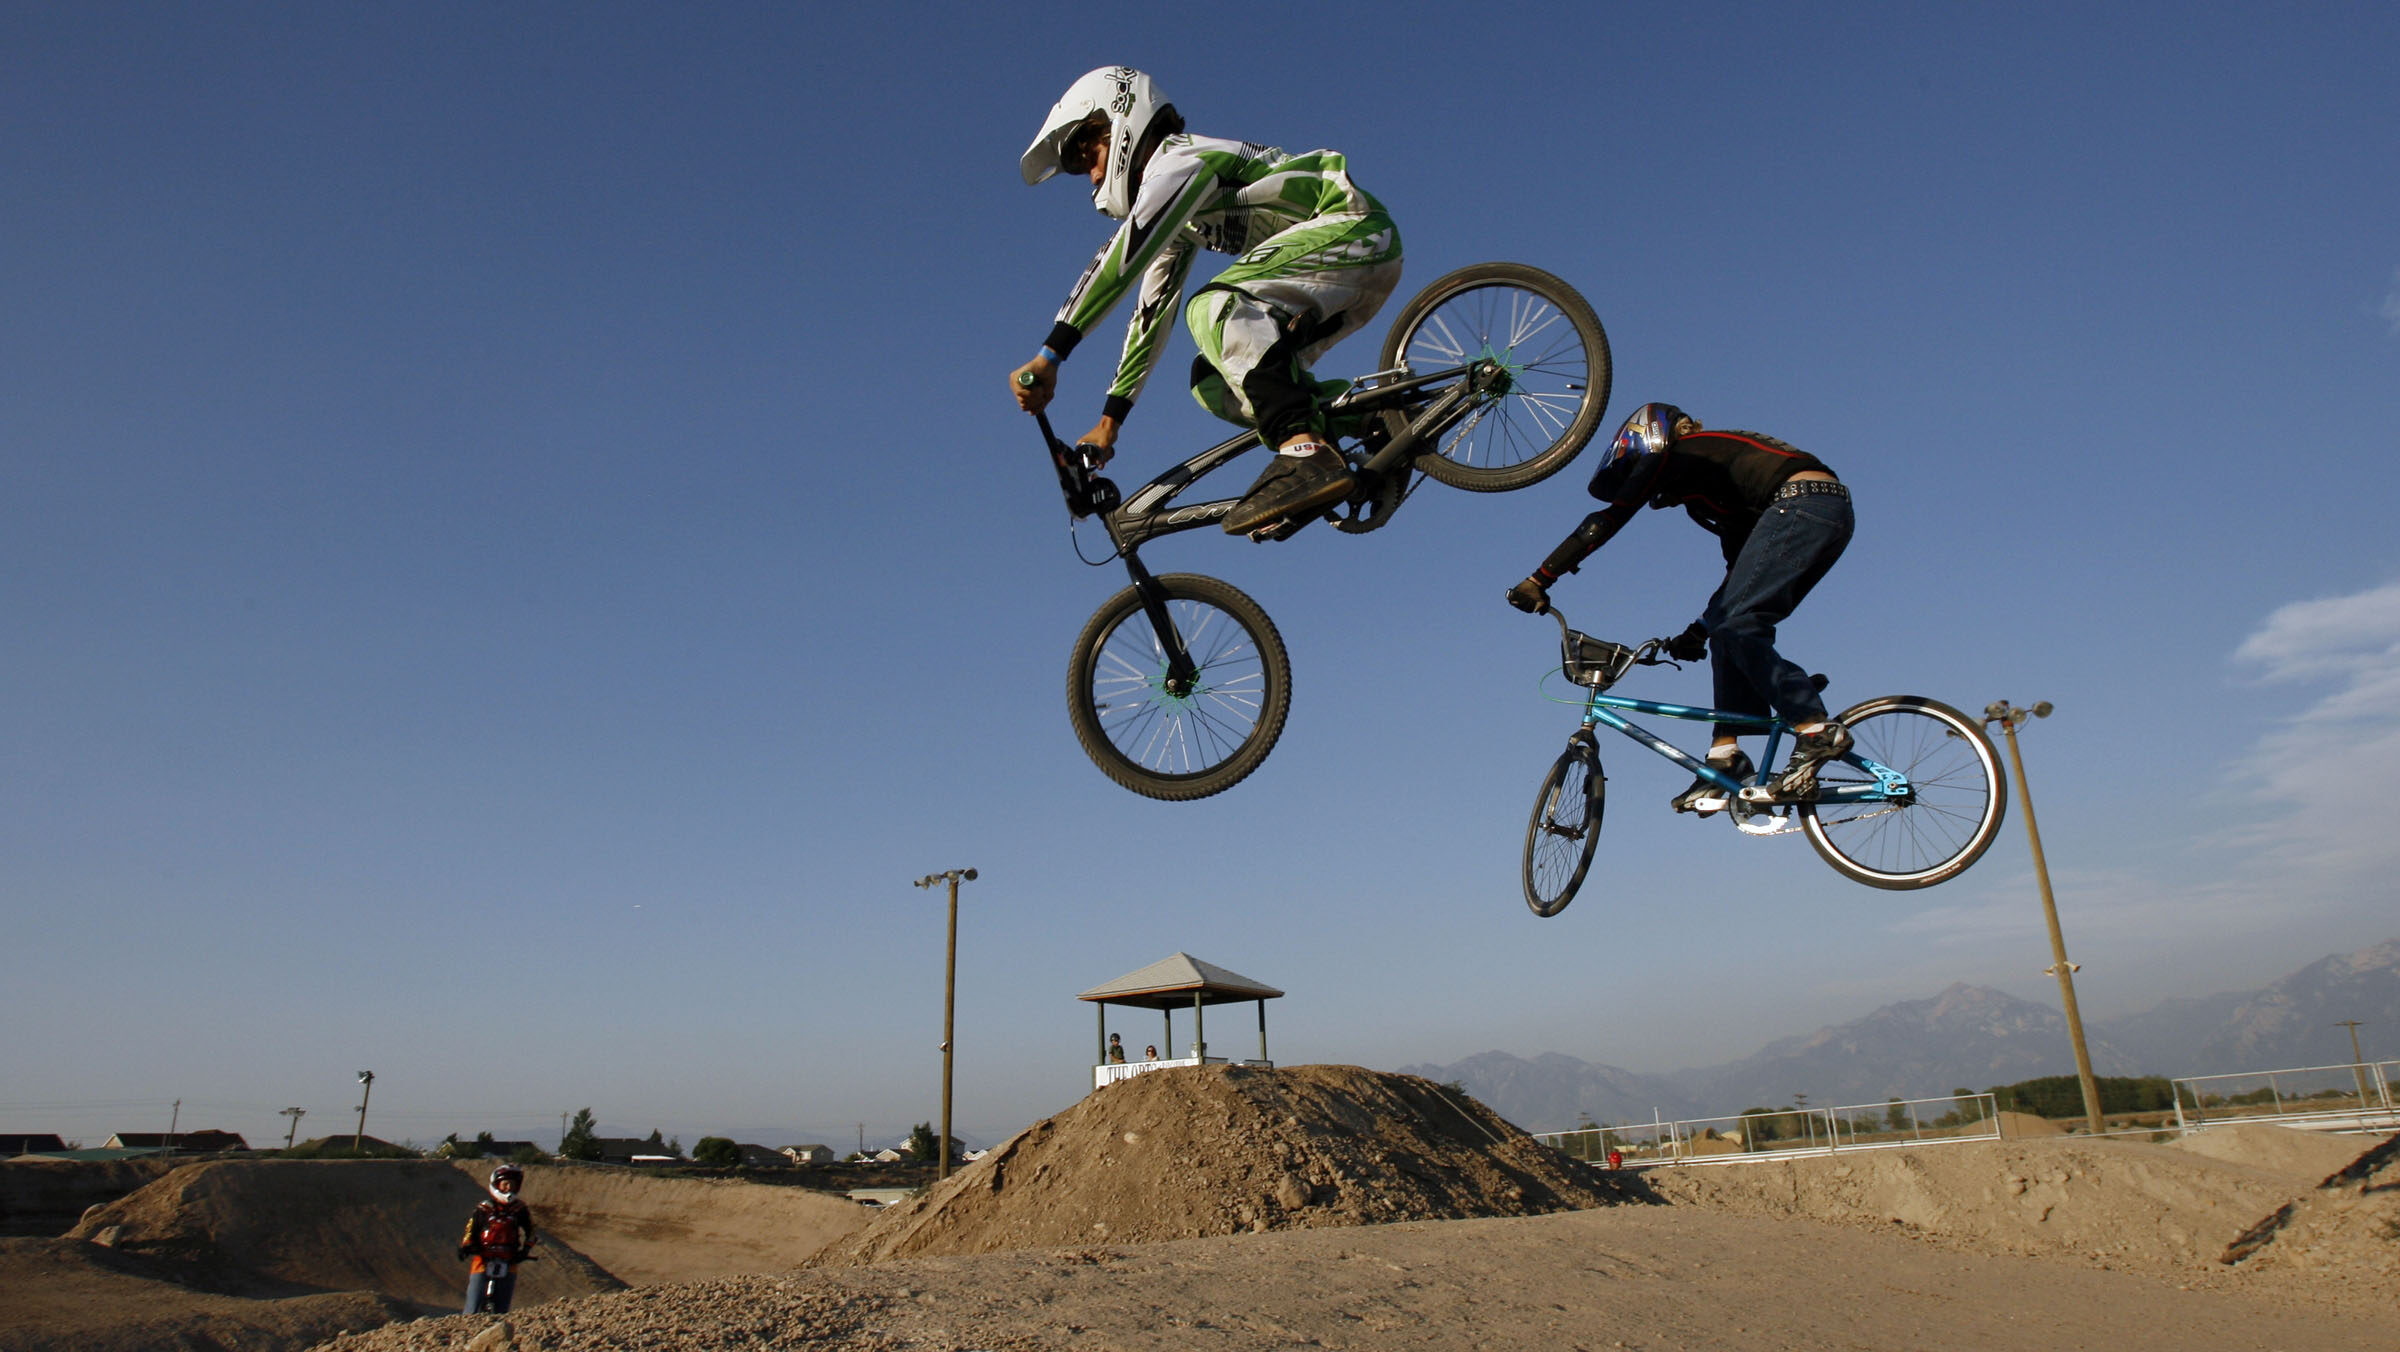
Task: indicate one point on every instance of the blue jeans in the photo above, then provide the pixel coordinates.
(1787, 554)
(487, 1294)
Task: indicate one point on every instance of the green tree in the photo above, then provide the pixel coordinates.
(716, 1151)
(1758, 1125)
(529, 1154)
(581, 1141)
(922, 1143)
(483, 1142)
(1895, 1115)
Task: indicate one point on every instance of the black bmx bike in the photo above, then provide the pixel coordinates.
(1491, 379)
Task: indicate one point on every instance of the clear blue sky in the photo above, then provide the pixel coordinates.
(515, 549)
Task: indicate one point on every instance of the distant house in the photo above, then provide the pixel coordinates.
(500, 1150)
(759, 1157)
(198, 1142)
(634, 1150)
(37, 1144)
(889, 1156)
(808, 1154)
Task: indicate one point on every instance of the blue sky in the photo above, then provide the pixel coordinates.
(516, 549)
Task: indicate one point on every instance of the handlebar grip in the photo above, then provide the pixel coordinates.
(1026, 380)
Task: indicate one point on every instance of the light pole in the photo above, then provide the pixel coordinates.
(2008, 717)
(366, 1080)
(949, 1000)
(295, 1114)
(2358, 1061)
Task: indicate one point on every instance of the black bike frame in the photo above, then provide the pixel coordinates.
(1152, 512)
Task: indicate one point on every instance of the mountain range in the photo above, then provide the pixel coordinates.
(1965, 1036)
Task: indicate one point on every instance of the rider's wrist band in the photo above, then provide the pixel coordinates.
(1056, 358)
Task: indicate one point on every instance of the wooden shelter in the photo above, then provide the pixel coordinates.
(1176, 982)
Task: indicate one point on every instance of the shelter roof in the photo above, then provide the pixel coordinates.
(1173, 982)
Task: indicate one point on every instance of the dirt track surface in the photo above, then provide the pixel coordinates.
(1651, 1278)
(1318, 1192)
(61, 1295)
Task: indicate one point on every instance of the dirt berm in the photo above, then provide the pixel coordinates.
(282, 1227)
(44, 1197)
(279, 1253)
(1177, 1154)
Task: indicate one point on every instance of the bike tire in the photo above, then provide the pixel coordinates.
(1960, 800)
(1179, 747)
(1554, 347)
(1564, 828)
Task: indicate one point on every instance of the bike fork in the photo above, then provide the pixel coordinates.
(1182, 672)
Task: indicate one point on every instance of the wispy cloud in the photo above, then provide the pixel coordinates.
(2317, 776)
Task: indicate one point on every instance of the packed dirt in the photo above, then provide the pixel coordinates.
(1243, 1209)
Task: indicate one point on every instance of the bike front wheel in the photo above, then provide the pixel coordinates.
(1179, 744)
(1565, 828)
(1553, 348)
(1959, 796)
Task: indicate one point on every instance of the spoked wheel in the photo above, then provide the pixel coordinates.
(1547, 340)
(1959, 798)
(1174, 743)
(1565, 828)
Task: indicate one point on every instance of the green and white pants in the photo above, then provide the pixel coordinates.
(1267, 319)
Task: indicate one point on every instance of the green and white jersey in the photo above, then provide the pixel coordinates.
(1229, 197)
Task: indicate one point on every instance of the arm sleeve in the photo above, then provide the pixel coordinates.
(1149, 247)
(1153, 320)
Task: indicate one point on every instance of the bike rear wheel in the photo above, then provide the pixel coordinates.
(1960, 796)
(1173, 745)
(1565, 828)
(1556, 355)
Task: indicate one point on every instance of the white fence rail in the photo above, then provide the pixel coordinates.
(2351, 1097)
(1784, 1133)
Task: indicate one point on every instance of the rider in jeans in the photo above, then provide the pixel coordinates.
(1783, 519)
(500, 1232)
(1317, 257)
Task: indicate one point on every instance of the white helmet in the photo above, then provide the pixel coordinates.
(1134, 108)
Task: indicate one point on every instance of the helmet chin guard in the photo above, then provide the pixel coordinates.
(1133, 105)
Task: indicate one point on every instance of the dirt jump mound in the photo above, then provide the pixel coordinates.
(2346, 1228)
(1215, 1150)
(288, 1227)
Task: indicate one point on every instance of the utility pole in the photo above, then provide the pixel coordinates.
(2008, 717)
(295, 1114)
(2358, 1060)
(174, 1119)
(366, 1080)
(949, 1000)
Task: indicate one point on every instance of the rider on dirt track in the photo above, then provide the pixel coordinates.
(1317, 257)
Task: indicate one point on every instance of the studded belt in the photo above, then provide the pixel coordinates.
(1795, 488)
